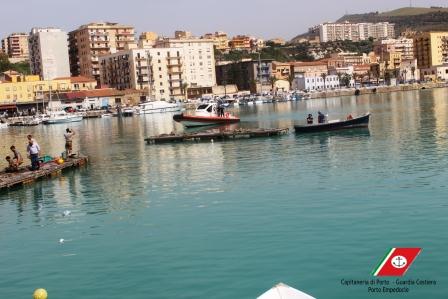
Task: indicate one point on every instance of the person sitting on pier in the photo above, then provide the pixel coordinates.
(68, 135)
(349, 117)
(310, 119)
(33, 150)
(12, 166)
(17, 158)
(320, 117)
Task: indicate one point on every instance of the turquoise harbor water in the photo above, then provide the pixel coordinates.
(230, 220)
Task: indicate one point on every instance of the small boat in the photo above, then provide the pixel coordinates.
(283, 291)
(158, 107)
(3, 125)
(61, 117)
(357, 122)
(206, 115)
(127, 111)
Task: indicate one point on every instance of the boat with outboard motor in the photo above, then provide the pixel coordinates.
(349, 123)
(205, 115)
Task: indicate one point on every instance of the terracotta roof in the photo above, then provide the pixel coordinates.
(78, 79)
(311, 63)
(95, 93)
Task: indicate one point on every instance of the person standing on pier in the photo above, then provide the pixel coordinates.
(33, 150)
(68, 135)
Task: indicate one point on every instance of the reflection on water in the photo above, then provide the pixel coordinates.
(200, 217)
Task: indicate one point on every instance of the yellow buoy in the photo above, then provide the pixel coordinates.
(40, 294)
(60, 161)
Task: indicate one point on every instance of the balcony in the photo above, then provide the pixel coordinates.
(174, 65)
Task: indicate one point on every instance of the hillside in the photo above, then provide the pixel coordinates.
(413, 11)
(412, 18)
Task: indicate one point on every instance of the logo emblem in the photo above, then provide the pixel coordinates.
(396, 262)
(399, 261)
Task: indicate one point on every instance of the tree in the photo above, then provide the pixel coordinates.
(273, 80)
(375, 70)
(346, 80)
(404, 73)
(413, 72)
(339, 79)
(324, 77)
(4, 63)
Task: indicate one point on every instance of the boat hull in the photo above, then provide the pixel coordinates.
(160, 110)
(199, 121)
(63, 120)
(358, 122)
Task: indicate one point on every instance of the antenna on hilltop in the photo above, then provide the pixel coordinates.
(410, 3)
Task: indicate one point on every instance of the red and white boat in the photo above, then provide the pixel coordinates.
(206, 115)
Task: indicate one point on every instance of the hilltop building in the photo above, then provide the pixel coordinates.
(90, 41)
(431, 49)
(16, 47)
(48, 50)
(355, 31)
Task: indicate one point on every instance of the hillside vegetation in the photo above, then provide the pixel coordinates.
(406, 18)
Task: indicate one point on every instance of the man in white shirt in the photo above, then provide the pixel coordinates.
(68, 135)
(33, 150)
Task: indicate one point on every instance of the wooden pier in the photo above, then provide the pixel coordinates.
(216, 135)
(49, 169)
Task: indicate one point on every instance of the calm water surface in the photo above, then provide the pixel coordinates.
(229, 220)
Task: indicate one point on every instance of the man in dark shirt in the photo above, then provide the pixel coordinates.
(310, 119)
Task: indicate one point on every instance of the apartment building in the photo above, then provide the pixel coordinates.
(90, 41)
(4, 46)
(159, 70)
(281, 70)
(147, 39)
(431, 49)
(310, 69)
(16, 46)
(355, 31)
(404, 46)
(48, 50)
(246, 74)
(241, 43)
(220, 39)
(198, 60)
(180, 34)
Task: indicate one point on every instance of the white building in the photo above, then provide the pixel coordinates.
(48, 50)
(355, 31)
(435, 73)
(409, 70)
(198, 60)
(302, 82)
(129, 70)
(402, 45)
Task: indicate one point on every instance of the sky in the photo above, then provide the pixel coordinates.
(262, 18)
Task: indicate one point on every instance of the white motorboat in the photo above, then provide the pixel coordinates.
(283, 291)
(61, 117)
(205, 115)
(3, 125)
(158, 107)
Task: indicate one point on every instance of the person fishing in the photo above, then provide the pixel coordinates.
(33, 150)
(310, 119)
(320, 118)
(68, 135)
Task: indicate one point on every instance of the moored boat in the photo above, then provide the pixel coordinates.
(61, 117)
(282, 290)
(158, 107)
(357, 122)
(206, 115)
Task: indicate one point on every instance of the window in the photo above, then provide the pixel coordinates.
(160, 76)
(160, 68)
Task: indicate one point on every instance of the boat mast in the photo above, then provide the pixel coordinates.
(259, 73)
(148, 62)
